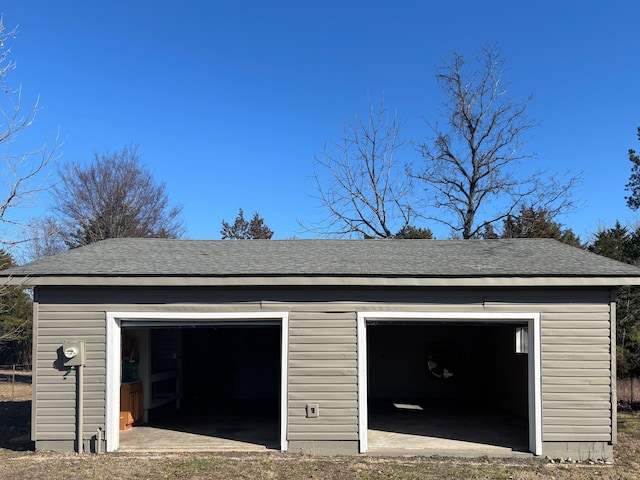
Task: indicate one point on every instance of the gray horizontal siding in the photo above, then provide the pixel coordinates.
(576, 374)
(322, 356)
(300, 365)
(323, 380)
(561, 388)
(557, 420)
(329, 396)
(575, 349)
(318, 331)
(55, 406)
(326, 348)
(575, 310)
(569, 348)
(333, 387)
(334, 420)
(579, 356)
(324, 376)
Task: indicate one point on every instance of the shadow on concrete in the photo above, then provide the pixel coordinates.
(241, 426)
(451, 425)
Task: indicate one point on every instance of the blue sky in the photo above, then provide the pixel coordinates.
(228, 101)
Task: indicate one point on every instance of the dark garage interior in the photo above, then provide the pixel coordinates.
(457, 381)
(227, 385)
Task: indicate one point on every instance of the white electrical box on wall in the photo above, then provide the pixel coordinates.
(312, 410)
(73, 353)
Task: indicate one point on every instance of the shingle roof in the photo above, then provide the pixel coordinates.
(387, 258)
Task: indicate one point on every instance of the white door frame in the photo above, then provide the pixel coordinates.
(535, 390)
(113, 374)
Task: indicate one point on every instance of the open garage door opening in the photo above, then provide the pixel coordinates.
(201, 386)
(448, 387)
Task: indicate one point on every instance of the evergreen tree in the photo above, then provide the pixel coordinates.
(620, 244)
(411, 232)
(616, 243)
(537, 223)
(15, 320)
(242, 229)
(633, 200)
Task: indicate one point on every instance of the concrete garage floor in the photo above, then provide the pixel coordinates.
(216, 429)
(403, 429)
(425, 429)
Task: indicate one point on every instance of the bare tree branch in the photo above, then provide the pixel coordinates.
(20, 182)
(20, 173)
(360, 183)
(114, 196)
(471, 176)
(45, 238)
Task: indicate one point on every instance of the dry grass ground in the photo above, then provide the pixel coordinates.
(16, 463)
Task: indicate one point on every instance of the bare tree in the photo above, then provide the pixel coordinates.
(360, 183)
(45, 238)
(473, 174)
(114, 196)
(20, 181)
(20, 173)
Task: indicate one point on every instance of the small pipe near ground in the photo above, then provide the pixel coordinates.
(99, 436)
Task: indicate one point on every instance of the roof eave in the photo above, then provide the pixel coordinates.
(316, 281)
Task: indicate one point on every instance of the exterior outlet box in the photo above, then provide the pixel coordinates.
(312, 410)
(73, 353)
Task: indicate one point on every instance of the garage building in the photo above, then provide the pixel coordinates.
(326, 346)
